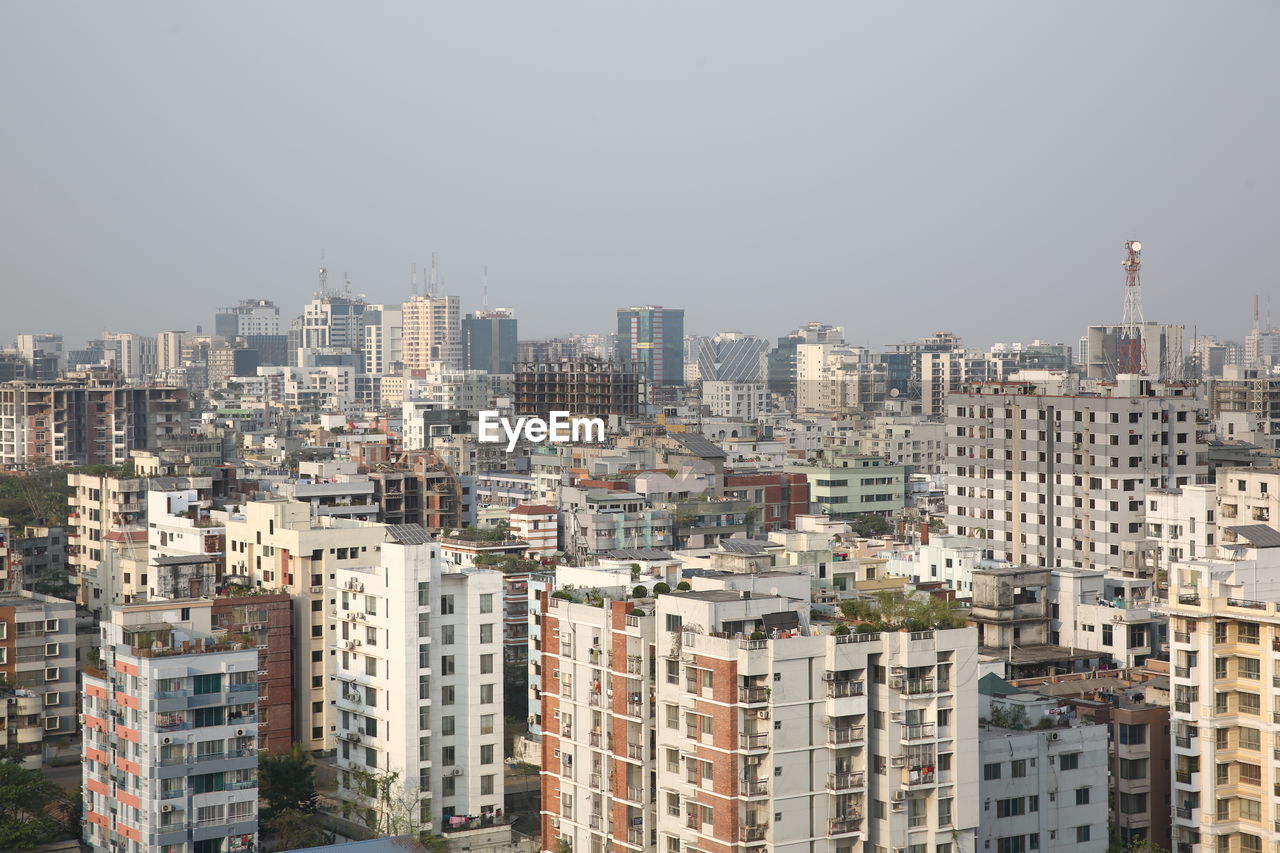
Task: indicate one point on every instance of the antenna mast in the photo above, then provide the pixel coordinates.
(1133, 351)
(413, 280)
(486, 288)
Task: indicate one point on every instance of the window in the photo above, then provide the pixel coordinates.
(486, 664)
(447, 724)
(1069, 761)
(448, 756)
(1250, 739)
(424, 594)
(446, 605)
(1082, 796)
(1247, 703)
(1018, 769)
(486, 753)
(1248, 668)
(486, 725)
(202, 684)
(1011, 807)
(446, 635)
(1133, 768)
(449, 786)
(486, 694)
(446, 665)
(1082, 834)
(1011, 844)
(991, 771)
(446, 695)
(1133, 733)
(486, 633)
(486, 602)
(486, 784)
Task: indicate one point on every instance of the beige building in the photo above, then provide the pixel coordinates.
(278, 544)
(432, 332)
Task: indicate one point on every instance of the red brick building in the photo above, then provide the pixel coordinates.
(269, 620)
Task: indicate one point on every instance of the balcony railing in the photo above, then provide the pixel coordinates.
(1183, 776)
(634, 794)
(1183, 812)
(1183, 741)
(918, 731)
(635, 664)
(1182, 636)
(635, 835)
(1182, 707)
(844, 826)
(753, 833)
(635, 750)
(753, 695)
(1182, 671)
(915, 686)
(850, 734)
(755, 787)
(845, 781)
(844, 689)
(757, 740)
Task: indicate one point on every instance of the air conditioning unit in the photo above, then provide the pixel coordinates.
(239, 732)
(166, 740)
(762, 715)
(1053, 735)
(896, 683)
(751, 760)
(457, 771)
(555, 823)
(896, 716)
(899, 796)
(166, 808)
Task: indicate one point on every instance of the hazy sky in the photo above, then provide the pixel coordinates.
(897, 168)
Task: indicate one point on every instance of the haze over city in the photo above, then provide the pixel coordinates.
(896, 170)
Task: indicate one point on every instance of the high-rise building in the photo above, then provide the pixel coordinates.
(721, 719)
(278, 544)
(780, 362)
(250, 317)
(585, 387)
(43, 354)
(418, 687)
(383, 348)
(652, 338)
(1161, 345)
(489, 341)
(1225, 626)
(170, 739)
(1050, 476)
(432, 332)
(169, 350)
(83, 420)
(732, 357)
(330, 322)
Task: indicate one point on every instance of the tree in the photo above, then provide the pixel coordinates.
(870, 525)
(294, 830)
(27, 803)
(394, 808)
(287, 782)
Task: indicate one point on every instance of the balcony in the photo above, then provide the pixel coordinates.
(754, 787)
(1182, 707)
(845, 781)
(844, 826)
(919, 731)
(1182, 636)
(753, 695)
(635, 751)
(918, 686)
(921, 776)
(1183, 812)
(635, 664)
(1183, 776)
(1182, 671)
(1183, 741)
(754, 742)
(634, 794)
(595, 740)
(844, 689)
(841, 736)
(754, 833)
(635, 835)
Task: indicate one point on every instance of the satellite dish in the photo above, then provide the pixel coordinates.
(893, 392)
(1137, 247)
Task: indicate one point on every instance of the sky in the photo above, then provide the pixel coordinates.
(894, 168)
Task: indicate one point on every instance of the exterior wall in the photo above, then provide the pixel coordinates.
(1113, 615)
(1062, 480)
(847, 485)
(1027, 791)
(268, 619)
(38, 669)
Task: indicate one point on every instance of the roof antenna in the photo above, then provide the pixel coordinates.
(413, 279)
(347, 284)
(486, 288)
(324, 277)
(435, 275)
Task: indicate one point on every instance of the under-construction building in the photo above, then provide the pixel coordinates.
(583, 387)
(86, 419)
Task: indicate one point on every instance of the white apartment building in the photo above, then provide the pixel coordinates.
(1225, 629)
(945, 559)
(1182, 524)
(717, 719)
(383, 345)
(170, 759)
(417, 647)
(1117, 616)
(1053, 480)
(1042, 788)
(913, 442)
(278, 544)
(729, 399)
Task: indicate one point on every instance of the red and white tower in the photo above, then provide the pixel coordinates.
(1132, 349)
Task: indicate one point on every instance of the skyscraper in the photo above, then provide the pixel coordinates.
(652, 338)
(489, 341)
(432, 332)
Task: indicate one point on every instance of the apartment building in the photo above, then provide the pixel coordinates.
(1246, 497)
(914, 443)
(37, 674)
(1118, 617)
(538, 525)
(10, 558)
(1182, 523)
(720, 718)
(583, 387)
(1225, 627)
(169, 750)
(85, 419)
(278, 545)
(264, 621)
(735, 398)
(1053, 479)
(432, 332)
(418, 693)
(1044, 777)
(844, 484)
